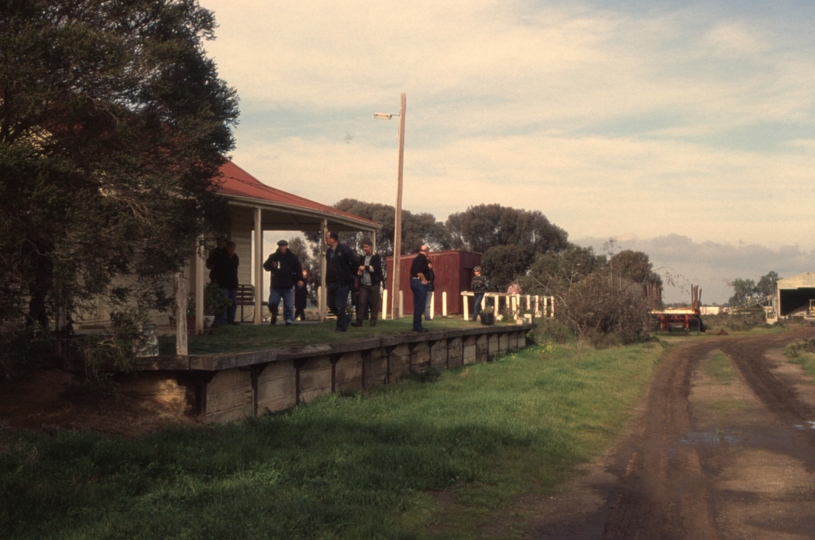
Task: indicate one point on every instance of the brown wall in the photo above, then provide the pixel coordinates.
(454, 271)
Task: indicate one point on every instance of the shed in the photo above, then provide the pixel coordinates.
(453, 270)
(792, 295)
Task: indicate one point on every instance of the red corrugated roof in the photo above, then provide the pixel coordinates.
(239, 183)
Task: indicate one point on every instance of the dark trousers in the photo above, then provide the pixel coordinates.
(368, 293)
(419, 290)
(338, 302)
(300, 313)
(230, 310)
(477, 305)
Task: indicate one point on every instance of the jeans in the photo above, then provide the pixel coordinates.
(228, 315)
(419, 290)
(337, 300)
(477, 305)
(288, 303)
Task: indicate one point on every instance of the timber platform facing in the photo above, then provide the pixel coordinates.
(225, 387)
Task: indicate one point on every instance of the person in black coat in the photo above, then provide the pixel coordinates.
(286, 271)
(478, 286)
(341, 267)
(431, 286)
(225, 273)
(419, 270)
(301, 297)
(370, 278)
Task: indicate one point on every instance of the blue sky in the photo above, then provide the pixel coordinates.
(684, 129)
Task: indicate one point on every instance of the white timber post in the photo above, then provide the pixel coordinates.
(180, 295)
(199, 288)
(258, 269)
(321, 292)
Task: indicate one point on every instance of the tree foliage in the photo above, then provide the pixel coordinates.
(508, 238)
(417, 229)
(747, 291)
(595, 296)
(482, 227)
(113, 124)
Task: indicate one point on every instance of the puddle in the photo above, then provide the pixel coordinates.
(710, 438)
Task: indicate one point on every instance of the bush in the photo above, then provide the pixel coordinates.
(552, 331)
(738, 322)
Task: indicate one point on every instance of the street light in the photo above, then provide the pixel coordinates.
(397, 219)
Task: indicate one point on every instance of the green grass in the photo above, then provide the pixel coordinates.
(250, 337)
(360, 466)
(803, 354)
(720, 368)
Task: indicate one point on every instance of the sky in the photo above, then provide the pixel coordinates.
(682, 129)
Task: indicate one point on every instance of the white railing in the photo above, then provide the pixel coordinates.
(541, 306)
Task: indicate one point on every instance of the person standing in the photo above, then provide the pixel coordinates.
(301, 297)
(286, 271)
(370, 277)
(431, 286)
(228, 281)
(341, 267)
(478, 286)
(419, 271)
(215, 259)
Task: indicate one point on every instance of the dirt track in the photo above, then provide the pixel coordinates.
(705, 459)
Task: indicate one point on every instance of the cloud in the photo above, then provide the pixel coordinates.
(694, 119)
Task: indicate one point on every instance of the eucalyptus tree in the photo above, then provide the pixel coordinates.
(113, 125)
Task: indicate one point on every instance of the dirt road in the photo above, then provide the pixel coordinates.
(709, 456)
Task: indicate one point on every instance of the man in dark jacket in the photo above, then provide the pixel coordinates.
(419, 270)
(286, 271)
(341, 267)
(478, 286)
(370, 277)
(225, 273)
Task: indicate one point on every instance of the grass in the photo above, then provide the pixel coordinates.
(803, 354)
(422, 460)
(720, 368)
(248, 337)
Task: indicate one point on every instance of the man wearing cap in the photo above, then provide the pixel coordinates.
(286, 270)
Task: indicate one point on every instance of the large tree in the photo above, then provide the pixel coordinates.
(482, 227)
(113, 124)
(417, 229)
(508, 238)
